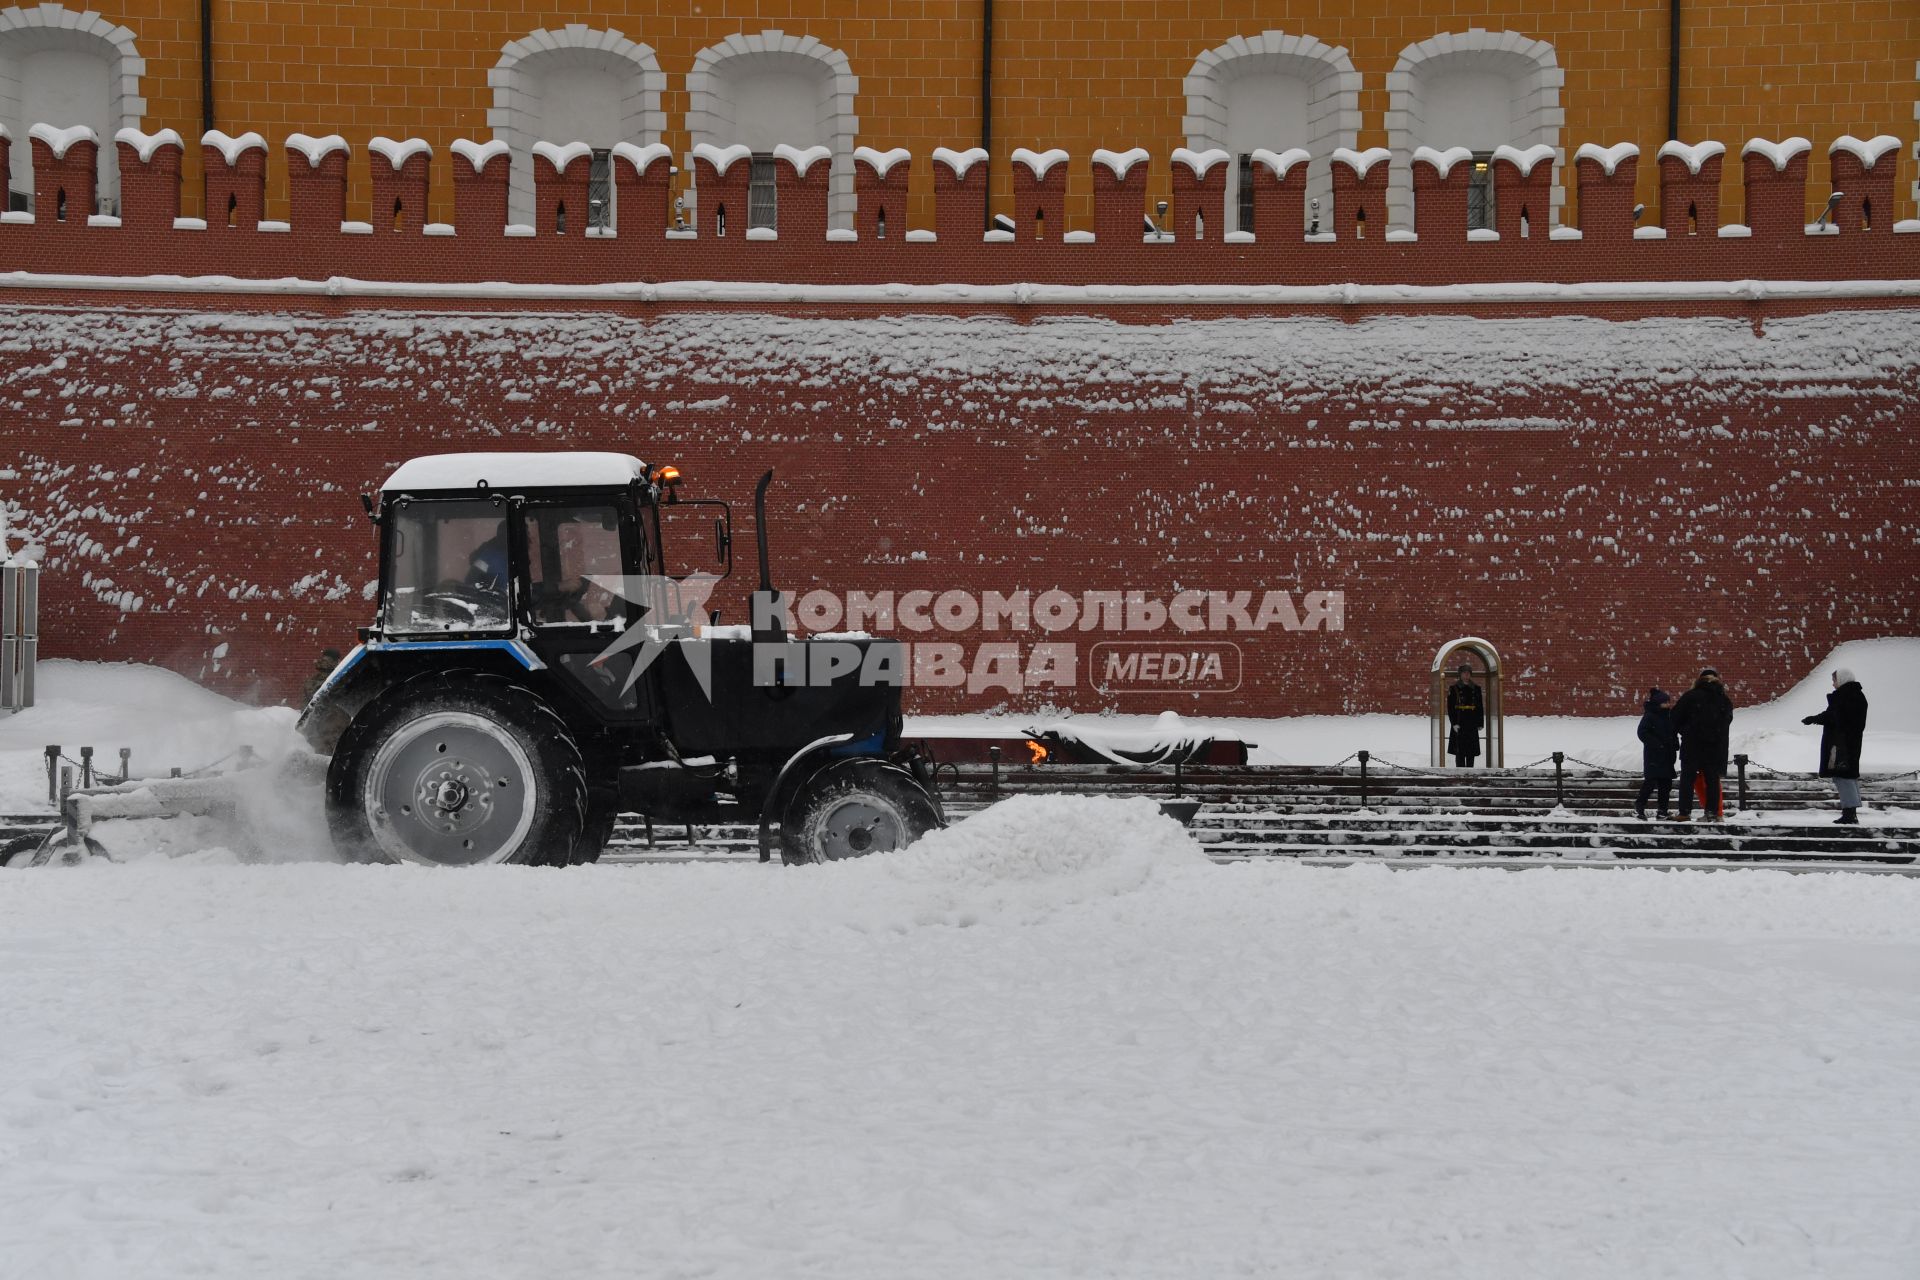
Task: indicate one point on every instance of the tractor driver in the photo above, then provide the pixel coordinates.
(487, 568)
(575, 596)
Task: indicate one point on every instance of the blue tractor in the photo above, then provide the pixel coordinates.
(533, 669)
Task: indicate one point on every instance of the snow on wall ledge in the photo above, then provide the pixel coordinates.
(320, 239)
(1612, 500)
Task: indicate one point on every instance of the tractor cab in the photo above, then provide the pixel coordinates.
(492, 543)
(560, 585)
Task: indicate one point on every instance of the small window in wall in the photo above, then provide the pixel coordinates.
(19, 202)
(1480, 193)
(762, 192)
(1243, 220)
(600, 190)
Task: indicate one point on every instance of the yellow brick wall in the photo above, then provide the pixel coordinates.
(1077, 74)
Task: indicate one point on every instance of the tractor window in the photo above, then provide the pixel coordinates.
(567, 549)
(446, 568)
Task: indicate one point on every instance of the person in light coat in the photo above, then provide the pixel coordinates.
(1842, 726)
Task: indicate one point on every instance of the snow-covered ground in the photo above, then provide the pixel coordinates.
(1053, 1041)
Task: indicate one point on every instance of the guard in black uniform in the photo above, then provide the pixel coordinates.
(1466, 716)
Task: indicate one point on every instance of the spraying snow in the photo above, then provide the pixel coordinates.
(166, 719)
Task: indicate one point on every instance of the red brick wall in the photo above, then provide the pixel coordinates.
(1612, 500)
(1612, 489)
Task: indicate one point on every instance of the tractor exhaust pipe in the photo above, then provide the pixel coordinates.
(769, 621)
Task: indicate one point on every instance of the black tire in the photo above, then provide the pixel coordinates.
(855, 808)
(458, 768)
(603, 810)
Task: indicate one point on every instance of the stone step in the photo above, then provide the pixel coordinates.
(1747, 822)
(1396, 862)
(1570, 853)
(1624, 846)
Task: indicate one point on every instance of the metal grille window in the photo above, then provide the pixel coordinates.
(1245, 200)
(762, 194)
(600, 190)
(1480, 193)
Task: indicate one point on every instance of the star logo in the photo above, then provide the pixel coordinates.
(671, 611)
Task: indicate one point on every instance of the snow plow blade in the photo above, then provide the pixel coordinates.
(220, 802)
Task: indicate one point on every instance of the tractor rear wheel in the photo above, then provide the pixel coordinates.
(852, 810)
(458, 769)
(603, 812)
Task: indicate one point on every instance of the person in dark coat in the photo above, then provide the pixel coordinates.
(1843, 725)
(1703, 717)
(1466, 715)
(1659, 744)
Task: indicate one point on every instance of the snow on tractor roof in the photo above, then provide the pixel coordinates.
(515, 471)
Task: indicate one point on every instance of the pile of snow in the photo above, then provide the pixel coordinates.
(1888, 669)
(1027, 857)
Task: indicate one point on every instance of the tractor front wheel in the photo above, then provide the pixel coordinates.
(852, 810)
(458, 769)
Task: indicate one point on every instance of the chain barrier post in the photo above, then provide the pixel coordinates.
(1364, 757)
(1178, 784)
(1559, 780)
(53, 773)
(86, 766)
(993, 758)
(1740, 763)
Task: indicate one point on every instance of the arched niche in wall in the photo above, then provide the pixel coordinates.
(764, 90)
(1474, 89)
(1487, 669)
(577, 84)
(1274, 91)
(63, 67)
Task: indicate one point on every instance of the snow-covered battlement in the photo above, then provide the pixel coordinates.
(1206, 236)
